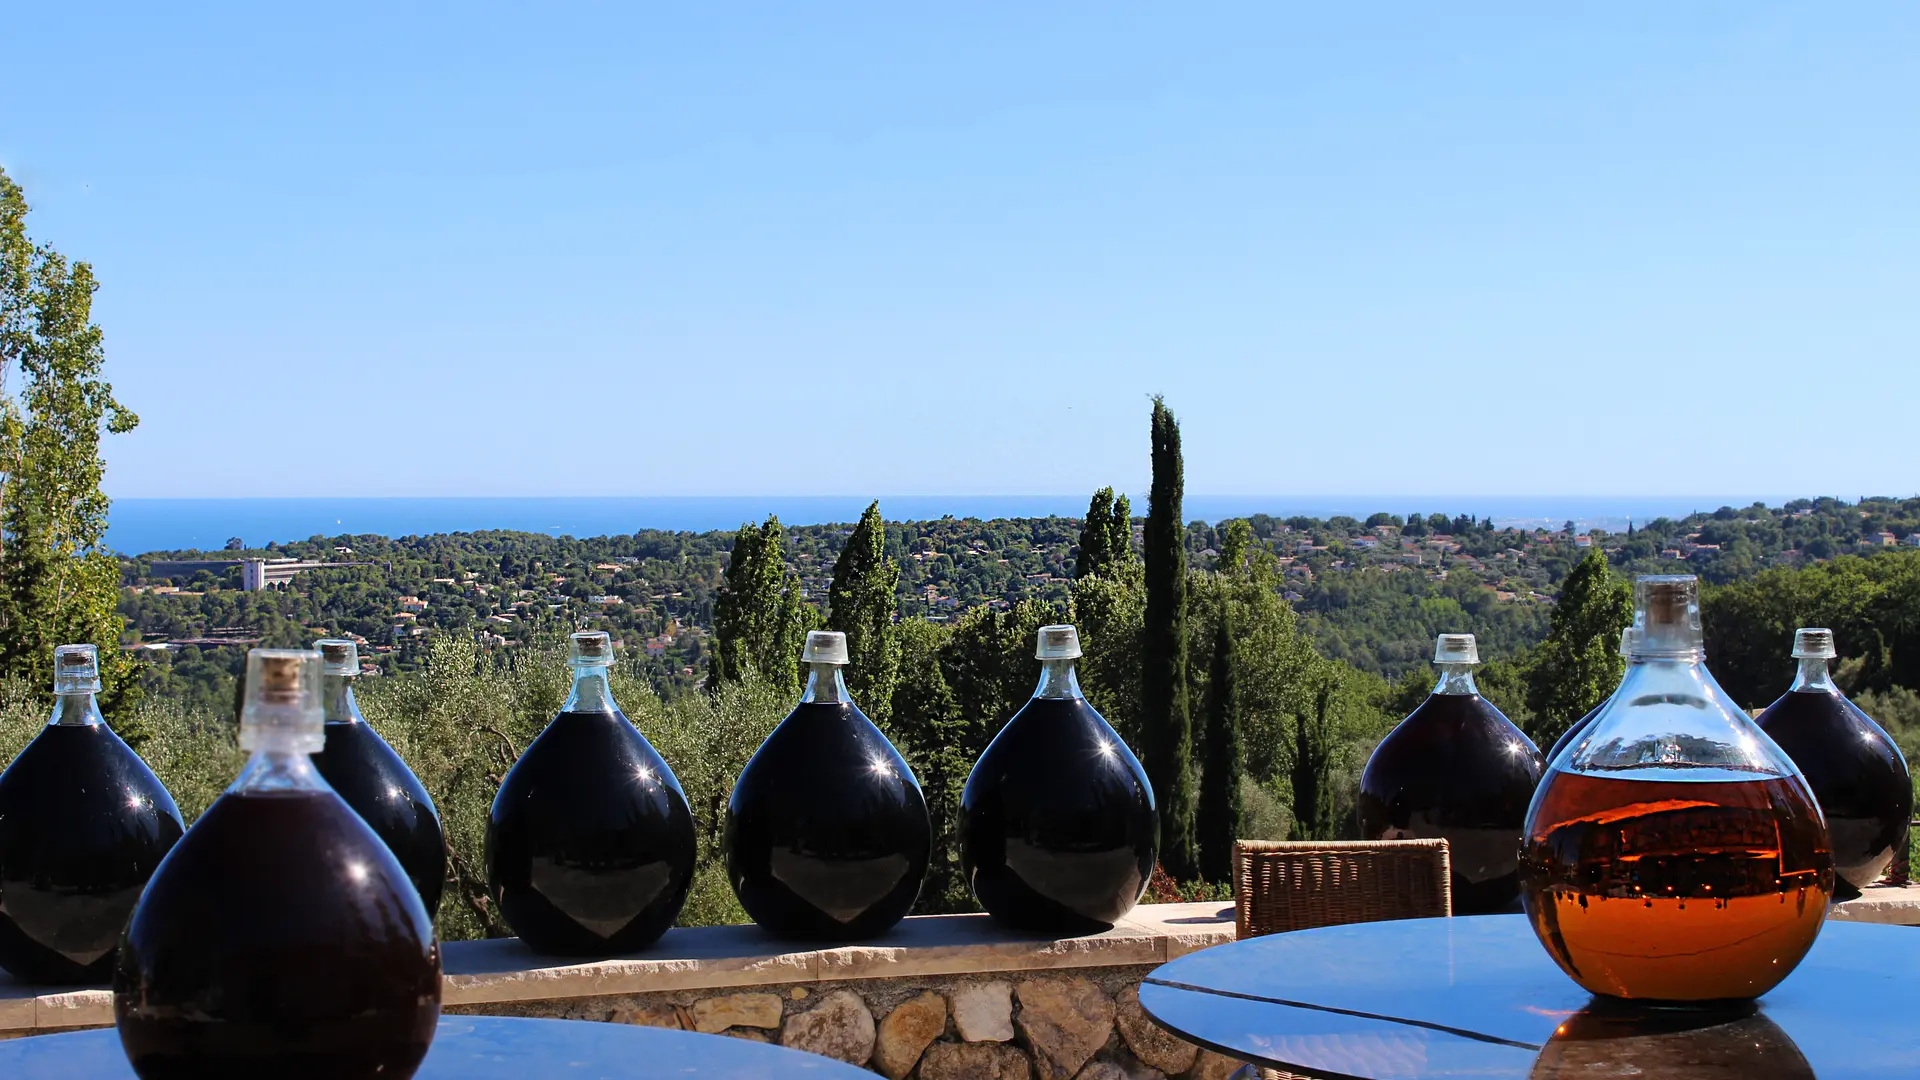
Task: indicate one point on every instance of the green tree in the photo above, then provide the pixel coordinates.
(1166, 730)
(760, 620)
(1579, 663)
(60, 585)
(1218, 817)
(860, 604)
(1094, 555)
(1106, 538)
(1110, 611)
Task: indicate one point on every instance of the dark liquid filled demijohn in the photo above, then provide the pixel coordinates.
(1856, 771)
(364, 771)
(590, 843)
(280, 938)
(1675, 854)
(1057, 822)
(1456, 769)
(83, 825)
(827, 833)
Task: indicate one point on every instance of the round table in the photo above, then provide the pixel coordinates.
(1475, 997)
(490, 1048)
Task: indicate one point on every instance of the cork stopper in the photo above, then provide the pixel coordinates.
(76, 669)
(590, 648)
(1667, 615)
(825, 647)
(281, 712)
(1058, 643)
(338, 656)
(1813, 643)
(1456, 649)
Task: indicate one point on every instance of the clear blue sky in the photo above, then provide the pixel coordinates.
(885, 249)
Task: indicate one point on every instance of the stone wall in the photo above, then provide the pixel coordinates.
(1087, 1025)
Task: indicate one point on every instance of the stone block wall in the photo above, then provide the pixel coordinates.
(1079, 1025)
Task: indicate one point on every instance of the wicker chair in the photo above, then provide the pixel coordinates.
(1298, 885)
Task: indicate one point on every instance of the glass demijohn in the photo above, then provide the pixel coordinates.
(827, 832)
(590, 843)
(83, 825)
(1855, 770)
(1057, 822)
(359, 765)
(1456, 769)
(280, 937)
(1675, 853)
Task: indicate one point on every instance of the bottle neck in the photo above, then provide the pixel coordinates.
(1813, 677)
(336, 700)
(278, 769)
(1456, 679)
(825, 684)
(75, 710)
(590, 692)
(1058, 681)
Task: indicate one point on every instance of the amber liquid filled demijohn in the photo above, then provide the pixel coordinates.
(1680, 890)
(1673, 854)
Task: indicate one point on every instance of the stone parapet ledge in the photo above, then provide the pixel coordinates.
(503, 972)
(1895, 905)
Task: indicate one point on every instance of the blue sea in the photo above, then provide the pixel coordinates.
(143, 525)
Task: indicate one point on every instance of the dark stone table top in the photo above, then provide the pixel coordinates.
(490, 1048)
(1468, 998)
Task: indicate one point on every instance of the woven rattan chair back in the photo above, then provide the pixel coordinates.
(1296, 885)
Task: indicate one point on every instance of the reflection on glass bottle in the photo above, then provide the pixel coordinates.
(1057, 823)
(1675, 854)
(827, 831)
(1856, 772)
(590, 843)
(1612, 1038)
(1581, 725)
(1456, 769)
(359, 765)
(280, 938)
(83, 825)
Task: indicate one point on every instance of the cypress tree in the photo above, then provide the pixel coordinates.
(860, 604)
(1120, 531)
(1096, 550)
(759, 618)
(1166, 730)
(1219, 816)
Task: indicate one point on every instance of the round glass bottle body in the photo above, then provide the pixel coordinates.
(1855, 769)
(1675, 854)
(827, 832)
(280, 937)
(1456, 769)
(84, 823)
(590, 842)
(364, 771)
(1057, 823)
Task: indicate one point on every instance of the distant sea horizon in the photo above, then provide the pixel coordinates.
(140, 525)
